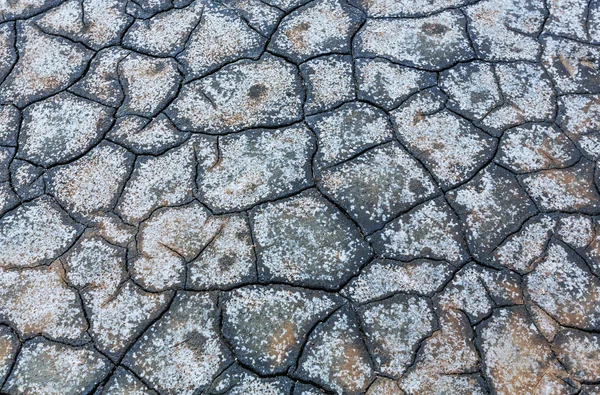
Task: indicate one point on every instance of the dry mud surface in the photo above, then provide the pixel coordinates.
(300, 197)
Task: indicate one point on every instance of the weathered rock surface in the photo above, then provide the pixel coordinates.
(386, 277)
(522, 250)
(431, 43)
(570, 189)
(219, 37)
(391, 8)
(291, 248)
(38, 301)
(572, 65)
(449, 146)
(46, 65)
(98, 270)
(35, 233)
(472, 89)
(97, 24)
(241, 95)
(149, 84)
(26, 180)
(45, 367)
(346, 132)
(579, 351)
(563, 287)
(285, 312)
(378, 185)
(166, 33)
(167, 240)
(163, 180)
(101, 81)
(10, 119)
(491, 206)
(577, 118)
(431, 230)
(9, 344)
(336, 356)
(388, 84)
(186, 245)
(527, 96)
(328, 81)
(568, 18)
(447, 360)
(299, 197)
(237, 381)
(535, 147)
(228, 260)
(506, 30)
(260, 15)
(7, 49)
(124, 382)
(25, 9)
(256, 166)
(181, 352)
(516, 357)
(91, 184)
(62, 128)
(144, 136)
(302, 34)
(393, 328)
(476, 291)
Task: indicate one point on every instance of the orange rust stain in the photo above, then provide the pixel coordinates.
(348, 374)
(282, 341)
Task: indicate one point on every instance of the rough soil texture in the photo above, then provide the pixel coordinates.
(300, 197)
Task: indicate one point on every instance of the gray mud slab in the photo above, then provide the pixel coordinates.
(299, 197)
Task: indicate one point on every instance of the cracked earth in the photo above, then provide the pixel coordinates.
(299, 197)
